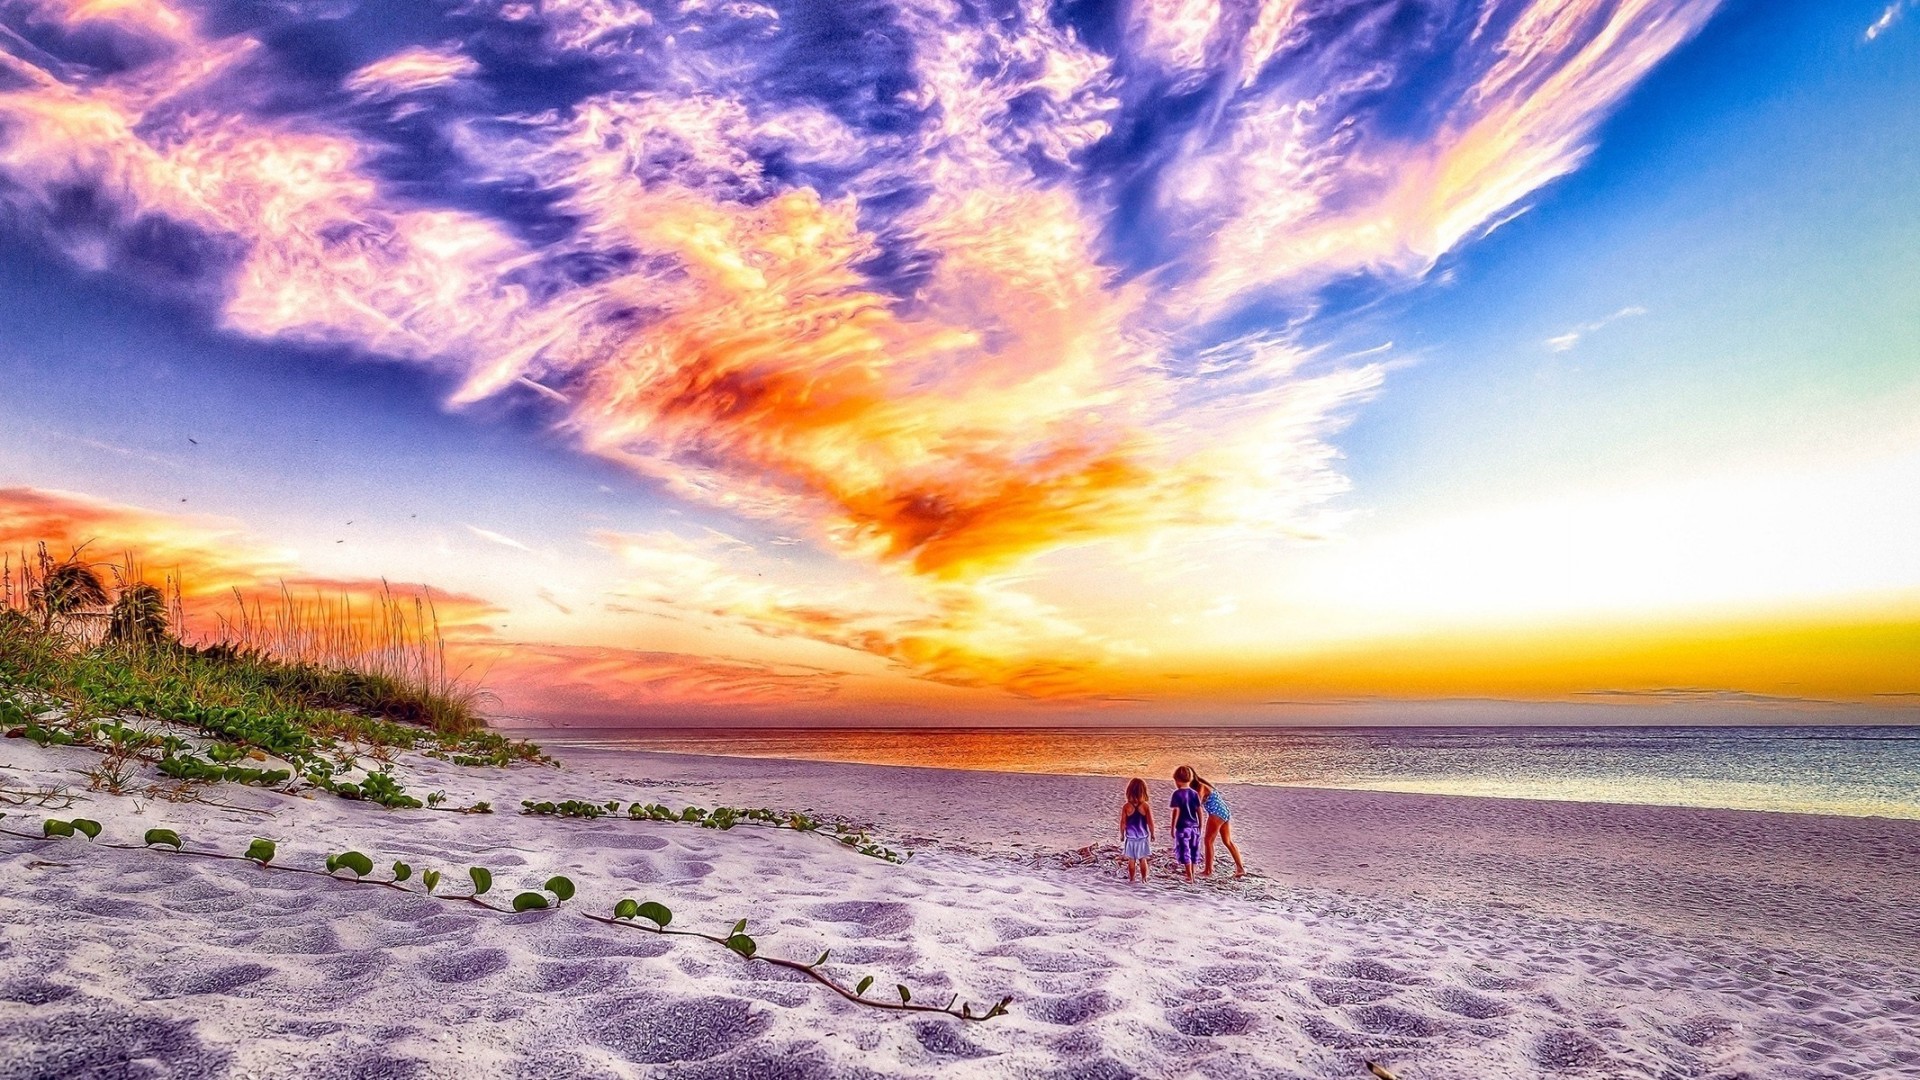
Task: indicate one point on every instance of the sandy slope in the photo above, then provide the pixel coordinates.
(1445, 937)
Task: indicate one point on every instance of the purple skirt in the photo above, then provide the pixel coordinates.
(1136, 847)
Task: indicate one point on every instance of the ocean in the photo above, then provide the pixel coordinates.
(1854, 771)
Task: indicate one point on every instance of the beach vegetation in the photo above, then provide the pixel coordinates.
(282, 693)
(350, 860)
(86, 827)
(556, 891)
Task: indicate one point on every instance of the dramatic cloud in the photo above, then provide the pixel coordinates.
(941, 288)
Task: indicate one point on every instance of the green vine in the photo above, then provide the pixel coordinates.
(555, 891)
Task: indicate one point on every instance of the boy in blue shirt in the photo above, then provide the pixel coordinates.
(1186, 821)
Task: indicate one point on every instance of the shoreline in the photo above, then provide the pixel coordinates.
(1846, 772)
(579, 748)
(1440, 936)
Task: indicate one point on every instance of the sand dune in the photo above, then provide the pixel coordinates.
(1440, 937)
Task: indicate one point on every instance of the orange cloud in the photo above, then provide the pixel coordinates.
(618, 685)
(978, 636)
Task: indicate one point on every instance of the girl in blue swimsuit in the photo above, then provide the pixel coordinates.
(1136, 829)
(1219, 824)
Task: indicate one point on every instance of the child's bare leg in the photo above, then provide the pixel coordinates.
(1213, 831)
(1226, 834)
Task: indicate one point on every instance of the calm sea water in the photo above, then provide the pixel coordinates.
(1860, 771)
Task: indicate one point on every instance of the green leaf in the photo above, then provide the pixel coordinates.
(430, 878)
(529, 901)
(482, 879)
(656, 913)
(560, 887)
(401, 871)
(350, 860)
(163, 836)
(740, 926)
(822, 960)
(627, 909)
(56, 827)
(741, 944)
(261, 850)
(88, 826)
(861, 989)
(906, 995)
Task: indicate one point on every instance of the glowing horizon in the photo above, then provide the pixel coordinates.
(773, 363)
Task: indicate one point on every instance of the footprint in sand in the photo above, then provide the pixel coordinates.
(654, 1030)
(583, 947)
(35, 992)
(1568, 1050)
(1395, 1021)
(1345, 992)
(470, 965)
(219, 980)
(875, 918)
(590, 976)
(1462, 1002)
(1220, 1018)
(944, 1040)
(1073, 1010)
(1372, 970)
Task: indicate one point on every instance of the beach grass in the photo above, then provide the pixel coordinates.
(85, 647)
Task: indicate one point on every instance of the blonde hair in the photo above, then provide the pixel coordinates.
(1136, 792)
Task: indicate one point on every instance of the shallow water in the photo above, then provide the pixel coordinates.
(1855, 771)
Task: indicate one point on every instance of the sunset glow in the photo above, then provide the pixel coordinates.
(1276, 362)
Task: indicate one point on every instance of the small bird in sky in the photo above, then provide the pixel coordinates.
(193, 440)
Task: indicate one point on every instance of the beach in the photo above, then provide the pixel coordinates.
(1435, 936)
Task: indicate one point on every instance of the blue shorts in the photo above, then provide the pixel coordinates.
(1186, 846)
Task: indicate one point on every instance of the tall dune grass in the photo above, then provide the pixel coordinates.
(387, 655)
(384, 655)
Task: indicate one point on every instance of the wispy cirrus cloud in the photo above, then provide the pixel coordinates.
(500, 539)
(938, 288)
(1565, 342)
(1886, 20)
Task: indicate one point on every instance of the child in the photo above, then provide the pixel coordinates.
(1136, 829)
(1219, 826)
(1186, 821)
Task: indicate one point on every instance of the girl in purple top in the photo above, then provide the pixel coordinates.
(1136, 829)
(1186, 821)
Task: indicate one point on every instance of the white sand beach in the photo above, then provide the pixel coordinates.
(1438, 937)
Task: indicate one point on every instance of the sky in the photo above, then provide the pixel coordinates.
(858, 363)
